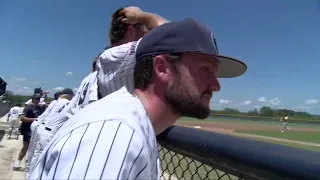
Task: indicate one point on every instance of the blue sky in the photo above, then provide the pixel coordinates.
(51, 44)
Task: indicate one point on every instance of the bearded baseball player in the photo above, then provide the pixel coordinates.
(115, 137)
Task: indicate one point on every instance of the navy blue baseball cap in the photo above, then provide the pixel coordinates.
(67, 91)
(188, 36)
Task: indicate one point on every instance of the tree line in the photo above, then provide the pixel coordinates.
(14, 99)
(266, 111)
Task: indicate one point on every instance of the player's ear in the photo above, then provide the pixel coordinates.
(161, 68)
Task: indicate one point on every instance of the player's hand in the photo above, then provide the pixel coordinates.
(132, 15)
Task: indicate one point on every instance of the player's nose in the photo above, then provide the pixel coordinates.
(214, 84)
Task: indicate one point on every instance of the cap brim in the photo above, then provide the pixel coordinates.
(230, 67)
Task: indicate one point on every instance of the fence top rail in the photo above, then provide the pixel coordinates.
(249, 158)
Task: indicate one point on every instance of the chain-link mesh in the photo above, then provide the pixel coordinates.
(176, 166)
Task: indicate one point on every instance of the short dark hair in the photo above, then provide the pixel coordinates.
(118, 29)
(143, 70)
(56, 95)
(94, 63)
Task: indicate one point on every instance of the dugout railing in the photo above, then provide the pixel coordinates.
(188, 153)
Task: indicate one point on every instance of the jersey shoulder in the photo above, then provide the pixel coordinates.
(118, 106)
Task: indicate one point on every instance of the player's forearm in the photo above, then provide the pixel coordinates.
(25, 119)
(151, 20)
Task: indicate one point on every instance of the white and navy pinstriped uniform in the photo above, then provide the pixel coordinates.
(47, 111)
(61, 102)
(112, 138)
(34, 138)
(34, 148)
(115, 68)
(84, 95)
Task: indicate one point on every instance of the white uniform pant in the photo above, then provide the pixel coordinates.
(32, 145)
(44, 136)
(14, 127)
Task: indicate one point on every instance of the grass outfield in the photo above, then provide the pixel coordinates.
(289, 144)
(312, 137)
(242, 121)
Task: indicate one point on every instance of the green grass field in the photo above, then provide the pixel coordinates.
(313, 137)
(185, 168)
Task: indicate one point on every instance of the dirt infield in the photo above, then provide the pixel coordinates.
(230, 127)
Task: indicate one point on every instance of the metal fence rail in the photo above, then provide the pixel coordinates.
(177, 166)
(188, 153)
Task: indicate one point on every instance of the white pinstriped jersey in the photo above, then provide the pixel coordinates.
(115, 68)
(60, 104)
(47, 111)
(112, 138)
(84, 95)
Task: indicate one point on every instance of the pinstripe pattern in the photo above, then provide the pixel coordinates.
(74, 105)
(56, 108)
(115, 68)
(47, 111)
(110, 139)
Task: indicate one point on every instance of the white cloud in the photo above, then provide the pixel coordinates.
(224, 101)
(274, 102)
(37, 82)
(311, 101)
(20, 79)
(68, 73)
(303, 108)
(58, 88)
(75, 89)
(262, 99)
(256, 107)
(247, 102)
(27, 89)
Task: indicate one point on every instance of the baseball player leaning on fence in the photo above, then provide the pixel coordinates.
(119, 33)
(64, 98)
(115, 137)
(85, 94)
(34, 126)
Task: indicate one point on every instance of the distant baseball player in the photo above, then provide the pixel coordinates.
(85, 94)
(284, 123)
(115, 137)
(30, 114)
(14, 120)
(42, 94)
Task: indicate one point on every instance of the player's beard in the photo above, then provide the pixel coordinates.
(184, 102)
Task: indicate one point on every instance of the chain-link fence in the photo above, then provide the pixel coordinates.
(176, 166)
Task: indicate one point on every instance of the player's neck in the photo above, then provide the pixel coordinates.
(159, 112)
